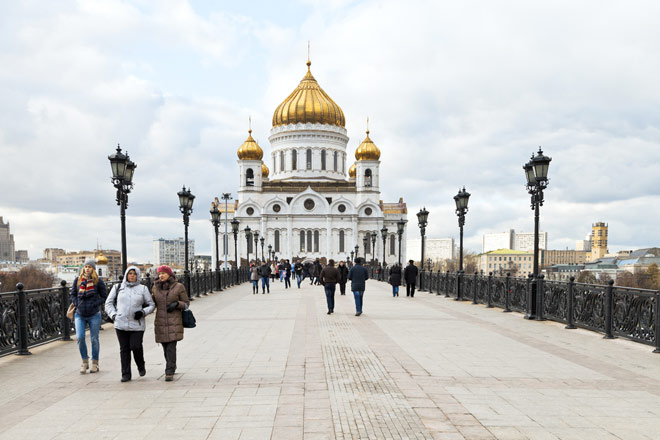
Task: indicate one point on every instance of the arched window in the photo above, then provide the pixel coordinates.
(367, 177)
(316, 241)
(249, 177)
(367, 248)
(323, 154)
(277, 241)
(392, 244)
(302, 241)
(335, 163)
(343, 163)
(309, 158)
(249, 246)
(294, 160)
(341, 236)
(281, 160)
(309, 241)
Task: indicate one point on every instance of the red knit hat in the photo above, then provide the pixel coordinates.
(166, 269)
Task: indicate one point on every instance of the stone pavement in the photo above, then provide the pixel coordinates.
(277, 367)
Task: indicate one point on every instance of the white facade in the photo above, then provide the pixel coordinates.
(172, 251)
(510, 239)
(435, 248)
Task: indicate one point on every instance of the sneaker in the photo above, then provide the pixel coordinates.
(169, 377)
(358, 313)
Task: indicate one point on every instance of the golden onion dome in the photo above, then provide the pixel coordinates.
(264, 170)
(352, 171)
(250, 150)
(308, 104)
(367, 150)
(102, 259)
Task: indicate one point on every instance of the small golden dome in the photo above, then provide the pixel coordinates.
(264, 170)
(102, 259)
(308, 104)
(367, 150)
(250, 150)
(352, 171)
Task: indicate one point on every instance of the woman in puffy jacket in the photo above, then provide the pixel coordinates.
(254, 278)
(127, 305)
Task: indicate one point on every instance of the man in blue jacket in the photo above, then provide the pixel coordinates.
(358, 276)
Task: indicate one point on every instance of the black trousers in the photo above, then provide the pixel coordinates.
(410, 289)
(130, 341)
(287, 281)
(169, 350)
(342, 288)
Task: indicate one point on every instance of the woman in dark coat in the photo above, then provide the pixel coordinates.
(395, 279)
(170, 298)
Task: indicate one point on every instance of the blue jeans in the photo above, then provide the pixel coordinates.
(265, 283)
(330, 295)
(299, 279)
(358, 301)
(395, 290)
(81, 323)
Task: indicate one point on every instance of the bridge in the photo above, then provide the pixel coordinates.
(276, 366)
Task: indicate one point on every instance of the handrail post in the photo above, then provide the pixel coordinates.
(22, 322)
(540, 288)
(490, 290)
(656, 310)
(507, 293)
(66, 326)
(447, 284)
(608, 310)
(475, 288)
(528, 291)
(570, 299)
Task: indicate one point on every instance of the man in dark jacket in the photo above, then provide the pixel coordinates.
(395, 278)
(358, 276)
(287, 274)
(343, 276)
(329, 277)
(264, 272)
(299, 269)
(410, 275)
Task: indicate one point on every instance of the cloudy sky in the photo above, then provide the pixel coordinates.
(457, 93)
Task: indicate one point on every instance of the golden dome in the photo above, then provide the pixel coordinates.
(367, 150)
(250, 150)
(102, 259)
(264, 170)
(308, 104)
(352, 171)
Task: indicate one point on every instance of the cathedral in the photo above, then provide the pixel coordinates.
(311, 203)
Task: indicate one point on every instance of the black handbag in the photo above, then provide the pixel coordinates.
(188, 319)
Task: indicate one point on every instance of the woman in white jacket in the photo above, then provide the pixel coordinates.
(127, 305)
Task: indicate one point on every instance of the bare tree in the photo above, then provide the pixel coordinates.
(31, 276)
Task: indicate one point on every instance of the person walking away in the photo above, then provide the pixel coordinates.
(379, 271)
(287, 274)
(299, 269)
(264, 271)
(410, 275)
(254, 277)
(307, 268)
(88, 293)
(171, 298)
(127, 305)
(281, 270)
(395, 278)
(358, 276)
(329, 277)
(343, 276)
(273, 271)
(316, 272)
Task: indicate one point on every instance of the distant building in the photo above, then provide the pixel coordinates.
(519, 241)
(552, 257)
(563, 272)
(435, 248)
(203, 262)
(75, 260)
(598, 240)
(21, 256)
(6, 242)
(51, 254)
(503, 261)
(172, 252)
(639, 261)
(583, 245)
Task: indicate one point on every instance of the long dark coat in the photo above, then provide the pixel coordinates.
(168, 326)
(395, 275)
(410, 274)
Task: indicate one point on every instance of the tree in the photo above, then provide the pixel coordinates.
(31, 276)
(653, 277)
(625, 279)
(586, 278)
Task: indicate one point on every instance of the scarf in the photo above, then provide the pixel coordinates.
(86, 287)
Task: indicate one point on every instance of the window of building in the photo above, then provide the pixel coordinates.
(367, 248)
(341, 241)
(309, 241)
(309, 158)
(294, 160)
(302, 241)
(335, 161)
(392, 244)
(249, 246)
(367, 177)
(316, 241)
(343, 163)
(281, 160)
(249, 177)
(323, 155)
(277, 241)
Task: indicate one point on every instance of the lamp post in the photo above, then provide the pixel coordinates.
(461, 200)
(383, 234)
(234, 228)
(248, 238)
(352, 256)
(122, 179)
(270, 252)
(215, 220)
(357, 248)
(365, 243)
(373, 248)
(400, 226)
(255, 235)
(225, 242)
(186, 199)
(536, 172)
(262, 247)
(422, 217)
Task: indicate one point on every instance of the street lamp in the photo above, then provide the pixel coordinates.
(536, 172)
(383, 233)
(248, 237)
(373, 248)
(400, 226)
(352, 253)
(186, 199)
(262, 247)
(122, 179)
(461, 200)
(357, 248)
(270, 251)
(215, 220)
(234, 228)
(255, 235)
(365, 243)
(225, 242)
(422, 217)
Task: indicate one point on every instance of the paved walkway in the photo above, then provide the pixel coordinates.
(277, 367)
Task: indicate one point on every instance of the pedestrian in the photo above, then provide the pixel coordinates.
(329, 277)
(379, 271)
(127, 305)
(254, 277)
(300, 272)
(88, 294)
(273, 271)
(264, 272)
(316, 272)
(280, 269)
(410, 275)
(307, 270)
(287, 274)
(171, 298)
(395, 278)
(358, 275)
(343, 276)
